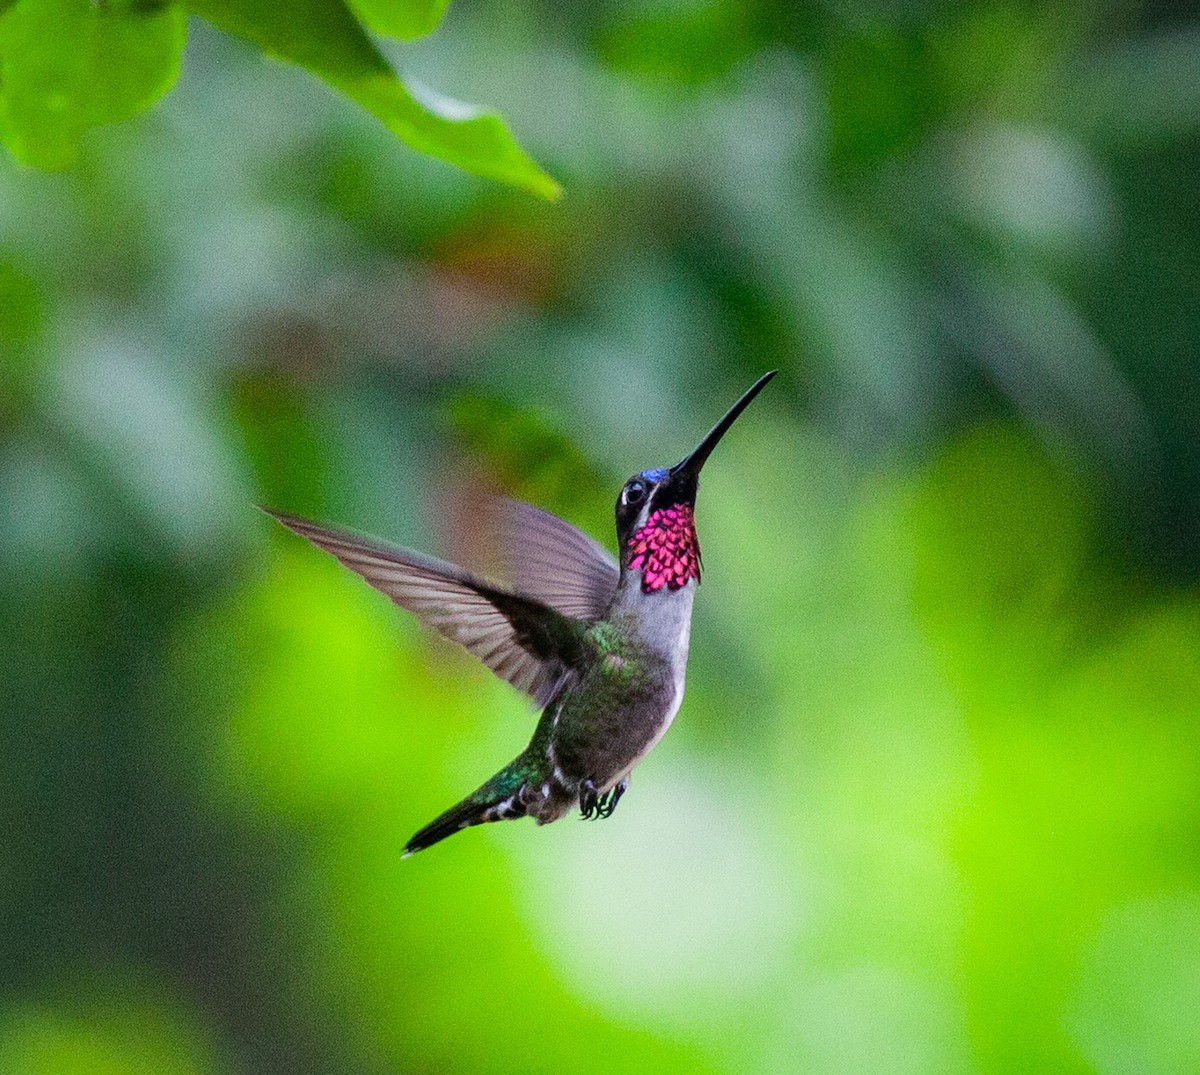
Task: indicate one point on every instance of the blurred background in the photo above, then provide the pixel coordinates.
(932, 803)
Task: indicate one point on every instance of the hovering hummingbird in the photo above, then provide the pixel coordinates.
(600, 645)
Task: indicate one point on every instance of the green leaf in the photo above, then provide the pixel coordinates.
(323, 37)
(67, 65)
(404, 19)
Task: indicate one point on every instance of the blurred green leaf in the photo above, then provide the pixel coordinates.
(400, 18)
(1137, 93)
(1000, 537)
(878, 102)
(20, 306)
(531, 459)
(1136, 1005)
(21, 310)
(325, 649)
(324, 38)
(997, 57)
(67, 65)
(117, 1031)
(679, 43)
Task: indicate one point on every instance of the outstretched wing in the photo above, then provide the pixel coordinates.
(521, 639)
(549, 559)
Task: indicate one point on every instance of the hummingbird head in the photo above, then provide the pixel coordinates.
(656, 526)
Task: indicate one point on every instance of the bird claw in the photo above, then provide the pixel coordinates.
(594, 805)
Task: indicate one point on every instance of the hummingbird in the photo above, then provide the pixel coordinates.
(600, 644)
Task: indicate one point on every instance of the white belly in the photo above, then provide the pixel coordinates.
(679, 671)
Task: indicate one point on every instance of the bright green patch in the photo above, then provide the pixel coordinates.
(69, 65)
(400, 18)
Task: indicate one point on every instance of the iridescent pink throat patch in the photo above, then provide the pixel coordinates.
(667, 549)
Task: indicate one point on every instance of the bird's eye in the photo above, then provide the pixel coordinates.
(634, 492)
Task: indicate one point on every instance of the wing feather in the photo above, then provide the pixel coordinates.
(523, 639)
(552, 561)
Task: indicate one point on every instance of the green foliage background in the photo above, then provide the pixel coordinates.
(932, 803)
(69, 65)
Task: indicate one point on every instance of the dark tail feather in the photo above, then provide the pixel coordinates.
(492, 802)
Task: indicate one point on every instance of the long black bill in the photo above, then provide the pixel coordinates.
(688, 468)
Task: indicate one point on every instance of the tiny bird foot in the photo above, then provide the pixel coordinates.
(589, 799)
(613, 797)
(594, 805)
